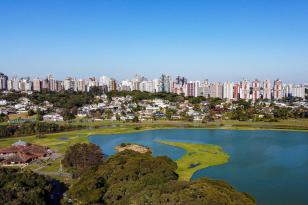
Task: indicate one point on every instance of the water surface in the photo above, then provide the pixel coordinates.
(270, 165)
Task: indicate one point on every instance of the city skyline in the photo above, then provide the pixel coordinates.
(220, 40)
(201, 78)
(244, 89)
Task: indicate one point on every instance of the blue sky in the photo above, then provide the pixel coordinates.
(215, 39)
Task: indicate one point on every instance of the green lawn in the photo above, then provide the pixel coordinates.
(60, 141)
(198, 156)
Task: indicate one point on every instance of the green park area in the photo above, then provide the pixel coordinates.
(59, 142)
(198, 156)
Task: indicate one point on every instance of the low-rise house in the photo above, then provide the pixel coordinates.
(176, 117)
(19, 106)
(152, 109)
(160, 115)
(3, 102)
(160, 103)
(193, 113)
(82, 114)
(280, 104)
(22, 153)
(53, 117)
(198, 118)
(130, 116)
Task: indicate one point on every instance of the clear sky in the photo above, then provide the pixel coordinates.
(216, 39)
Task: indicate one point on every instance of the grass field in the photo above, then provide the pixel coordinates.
(289, 124)
(198, 156)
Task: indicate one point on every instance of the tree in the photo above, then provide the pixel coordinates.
(97, 114)
(67, 115)
(169, 112)
(133, 178)
(82, 156)
(179, 99)
(213, 102)
(3, 117)
(118, 117)
(31, 112)
(108, 113)
(39, 115)
(31, 128)
(136, 119)
(281, 113)
(25, 187)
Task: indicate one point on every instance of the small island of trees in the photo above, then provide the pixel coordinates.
(134, 147)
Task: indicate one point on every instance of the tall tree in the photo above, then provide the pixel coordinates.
(82, 156)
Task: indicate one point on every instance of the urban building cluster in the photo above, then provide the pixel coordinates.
(245, 89)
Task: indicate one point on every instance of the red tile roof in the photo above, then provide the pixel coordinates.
(24, 154)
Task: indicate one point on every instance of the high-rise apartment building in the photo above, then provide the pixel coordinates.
(298, 91)
(81, 85)
(3, 81)
(52, 83)
(191, 89)
(245, 90)
(24, 84)
(45, 84)
(91, 82)
(181, 81)
(70, 84)
(126, 85)
(236, 91)
(104, 80)
(156, 85)
(112, 85)
(216, 90)
(278, 89)
(256, 88)
(147, 86)
(228, 90)
(266, 90)
(165, 83)
(13, 84)
(37, 84)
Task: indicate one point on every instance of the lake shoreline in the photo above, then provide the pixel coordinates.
(261, 150)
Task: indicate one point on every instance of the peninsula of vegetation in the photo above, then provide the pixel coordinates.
(198, 156)
(132, 178)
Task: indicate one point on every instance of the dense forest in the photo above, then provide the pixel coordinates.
(126, 178)
(20, 187)
(133, 178)
(34, 128)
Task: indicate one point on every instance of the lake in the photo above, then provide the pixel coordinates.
(270, 165)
